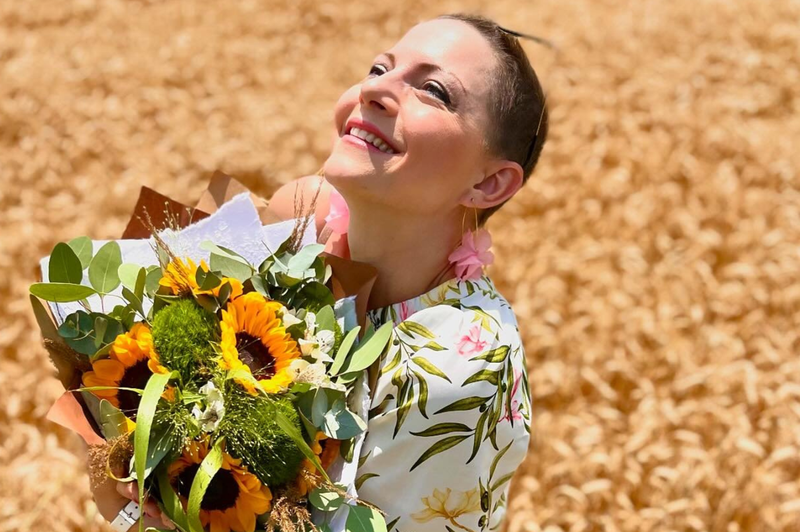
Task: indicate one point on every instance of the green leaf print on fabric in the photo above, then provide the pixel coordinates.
(466, 403)
(484, 375)
(487, 491)
(428, 367)
(453, 373)
(408, 366)
(443, 428)
(490, 408)
(439, 447)
(422, 403)
(412, 328)
(493, 355)
(363, 478)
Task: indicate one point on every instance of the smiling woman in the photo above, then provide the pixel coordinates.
(445, 127)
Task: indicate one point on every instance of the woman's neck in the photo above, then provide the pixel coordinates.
(409, 253)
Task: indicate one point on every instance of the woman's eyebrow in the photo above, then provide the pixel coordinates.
(428, 67)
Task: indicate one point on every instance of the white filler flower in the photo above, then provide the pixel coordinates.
(215, 408)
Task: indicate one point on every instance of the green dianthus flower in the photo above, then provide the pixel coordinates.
(182, 335)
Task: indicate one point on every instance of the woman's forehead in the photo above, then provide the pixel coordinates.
(452, 45)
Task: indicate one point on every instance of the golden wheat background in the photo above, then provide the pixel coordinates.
(653, 259)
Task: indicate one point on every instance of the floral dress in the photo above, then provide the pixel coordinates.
(450, 414)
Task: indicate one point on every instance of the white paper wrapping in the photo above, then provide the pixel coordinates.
(235, 225)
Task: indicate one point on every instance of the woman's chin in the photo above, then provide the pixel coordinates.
(342, 169)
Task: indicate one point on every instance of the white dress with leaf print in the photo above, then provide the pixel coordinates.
(450, 416)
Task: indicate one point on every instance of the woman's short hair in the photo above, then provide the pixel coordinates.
(517, 106)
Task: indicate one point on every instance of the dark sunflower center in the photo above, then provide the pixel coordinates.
(135, 377)
(221, 494)
(255, 355)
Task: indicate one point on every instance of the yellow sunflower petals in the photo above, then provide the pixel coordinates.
(218, 522)
(156, 367)
(247, 385)
(91, 379)
(261, 506)
(244, 517)
(247, 481)
(109, 369)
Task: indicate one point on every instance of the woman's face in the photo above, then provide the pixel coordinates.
(427, 97)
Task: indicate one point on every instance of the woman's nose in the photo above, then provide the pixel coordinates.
(380, 92)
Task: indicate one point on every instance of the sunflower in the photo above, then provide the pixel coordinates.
(131, 362)
(254, 339)
(181, 279)
(307, 478)
(234, 497)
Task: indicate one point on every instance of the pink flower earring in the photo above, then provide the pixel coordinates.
(473, 253)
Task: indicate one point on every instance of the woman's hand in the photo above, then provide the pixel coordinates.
(111, 497)
(150, 508)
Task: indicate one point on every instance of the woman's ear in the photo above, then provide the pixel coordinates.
(502, 181)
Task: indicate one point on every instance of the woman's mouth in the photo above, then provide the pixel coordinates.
(359, 137)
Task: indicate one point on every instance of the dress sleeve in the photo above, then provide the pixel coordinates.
(450, 421)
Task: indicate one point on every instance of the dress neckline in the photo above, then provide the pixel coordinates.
(446, 293)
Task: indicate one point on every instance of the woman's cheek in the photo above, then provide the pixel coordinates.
(344, 107)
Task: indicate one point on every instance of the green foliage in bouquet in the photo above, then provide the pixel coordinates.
(207, 385)
(252, 433)
(297, 279)
(175, 420)
(183, 333)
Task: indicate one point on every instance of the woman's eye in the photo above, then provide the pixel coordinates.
(374, 71)
(442, 94)
(437, 89)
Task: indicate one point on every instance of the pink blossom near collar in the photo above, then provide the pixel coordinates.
(405, 311)
(338, 218)
(471, 342)
(472, 255)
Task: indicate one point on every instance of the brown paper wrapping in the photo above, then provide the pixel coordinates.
(160, 209)
(69, 411)
(349, 278)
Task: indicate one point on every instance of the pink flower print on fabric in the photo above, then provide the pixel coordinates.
(472, 255)
(471, 343)
(405, 311)
(515, 412)
(338, 218)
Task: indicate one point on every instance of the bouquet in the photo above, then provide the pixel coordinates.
(226, 375)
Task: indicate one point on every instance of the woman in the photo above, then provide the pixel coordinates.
(454, 120)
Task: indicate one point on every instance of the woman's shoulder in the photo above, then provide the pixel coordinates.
(283, 201)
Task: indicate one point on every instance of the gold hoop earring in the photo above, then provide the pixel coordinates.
(464, 216)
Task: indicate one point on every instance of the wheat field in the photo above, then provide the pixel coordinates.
(653, 259)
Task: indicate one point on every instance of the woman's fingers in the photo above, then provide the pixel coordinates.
(129, 490)
(167, 521)
(151, 508)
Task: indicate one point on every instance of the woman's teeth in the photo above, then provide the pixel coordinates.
(369, 137)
